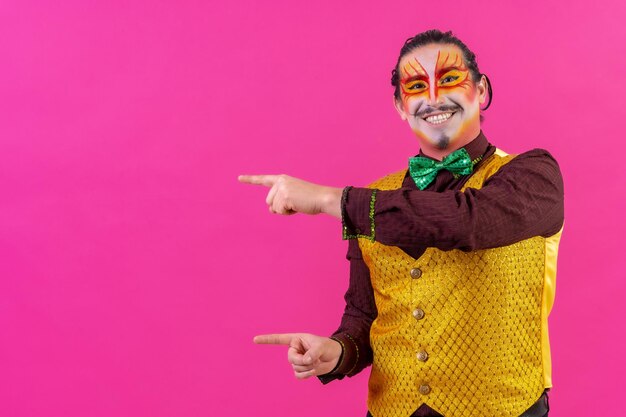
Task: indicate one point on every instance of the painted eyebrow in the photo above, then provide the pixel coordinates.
(419, 70)
(415, 78)
(446, 69)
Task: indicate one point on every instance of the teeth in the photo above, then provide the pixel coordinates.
(440, 118)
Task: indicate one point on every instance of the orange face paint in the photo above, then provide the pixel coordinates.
(438, 96)
(450, 72)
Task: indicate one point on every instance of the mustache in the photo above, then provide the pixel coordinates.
(429, 110)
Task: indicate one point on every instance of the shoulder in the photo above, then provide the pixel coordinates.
(537, 154)
(389, 181)
(537, 158)
(535, 163)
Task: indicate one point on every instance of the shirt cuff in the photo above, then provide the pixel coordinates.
(347, 361)
(357, 213)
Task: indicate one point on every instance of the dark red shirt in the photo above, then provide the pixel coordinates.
(523, 199)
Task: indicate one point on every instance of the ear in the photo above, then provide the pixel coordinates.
(399, 108)
(482, 90)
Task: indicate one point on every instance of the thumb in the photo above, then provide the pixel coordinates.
(312, 355)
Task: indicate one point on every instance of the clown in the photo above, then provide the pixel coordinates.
(453, 259)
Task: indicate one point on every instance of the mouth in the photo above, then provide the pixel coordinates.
(438, 118)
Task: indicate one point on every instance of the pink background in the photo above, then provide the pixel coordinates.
(134, 269)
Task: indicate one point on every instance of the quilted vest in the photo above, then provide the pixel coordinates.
(463, 332)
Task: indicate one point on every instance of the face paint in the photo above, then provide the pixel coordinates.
(438, 98)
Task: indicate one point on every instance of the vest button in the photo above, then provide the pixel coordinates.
(418, 313)
(416, 273)
(424, 389)
(422, 356)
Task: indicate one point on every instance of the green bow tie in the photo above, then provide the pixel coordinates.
(424, 170)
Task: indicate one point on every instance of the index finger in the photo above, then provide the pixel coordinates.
(274, 339)
(266, 180)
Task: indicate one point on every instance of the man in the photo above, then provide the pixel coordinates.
(453, 261)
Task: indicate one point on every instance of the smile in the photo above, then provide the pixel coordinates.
(438, 119)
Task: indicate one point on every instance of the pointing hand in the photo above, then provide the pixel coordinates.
(289, 195)
(308, 354)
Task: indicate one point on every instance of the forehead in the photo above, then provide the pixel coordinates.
(428, 57)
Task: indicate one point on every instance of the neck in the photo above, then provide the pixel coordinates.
(432, 151)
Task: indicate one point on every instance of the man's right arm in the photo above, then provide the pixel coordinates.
(360, 312)
(521, 200)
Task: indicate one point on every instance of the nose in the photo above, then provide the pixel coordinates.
(434, 96)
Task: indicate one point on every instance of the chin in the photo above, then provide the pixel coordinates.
(441, 138)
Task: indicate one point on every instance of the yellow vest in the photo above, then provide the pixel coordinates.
(464, 332)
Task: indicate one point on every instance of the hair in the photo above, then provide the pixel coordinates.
(438, 37)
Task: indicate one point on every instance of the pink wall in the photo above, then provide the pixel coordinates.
(134, 269)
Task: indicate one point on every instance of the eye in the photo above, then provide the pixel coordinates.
(449, 79)
(415, 86)
(452, 78)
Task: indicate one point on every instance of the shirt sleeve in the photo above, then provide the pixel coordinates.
(360, 312)
(523, 199)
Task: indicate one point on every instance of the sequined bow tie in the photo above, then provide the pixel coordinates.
(424, 170)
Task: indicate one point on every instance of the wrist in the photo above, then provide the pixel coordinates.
(336, 348)
(349, 359)
(331, 202)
